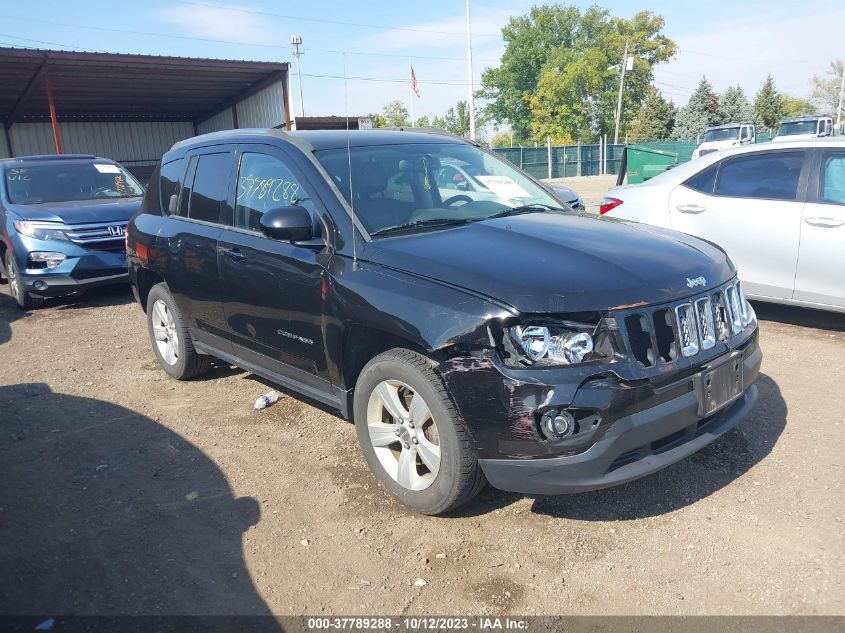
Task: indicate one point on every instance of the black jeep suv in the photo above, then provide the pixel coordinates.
(471, 337)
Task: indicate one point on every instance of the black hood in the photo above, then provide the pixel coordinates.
(553, 263)
(79, 211)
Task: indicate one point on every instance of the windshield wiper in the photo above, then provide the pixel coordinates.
(421, 224)
(526, 208)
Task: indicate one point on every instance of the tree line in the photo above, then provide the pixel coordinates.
(559, 78)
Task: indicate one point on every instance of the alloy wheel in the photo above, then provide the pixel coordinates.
(164, 332)
(403, 434)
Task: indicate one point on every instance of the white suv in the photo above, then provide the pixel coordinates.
(777, 209)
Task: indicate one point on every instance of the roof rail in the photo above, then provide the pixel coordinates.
(55, 156)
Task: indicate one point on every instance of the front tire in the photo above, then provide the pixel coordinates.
(170, 338)
(412, 436)
(25, 300)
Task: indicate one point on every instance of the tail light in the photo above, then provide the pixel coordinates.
(608, 204)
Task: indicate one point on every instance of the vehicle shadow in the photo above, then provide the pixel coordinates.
(679, 485)
(113, 295)
(9, 313)
(106, 512)
(805, 317)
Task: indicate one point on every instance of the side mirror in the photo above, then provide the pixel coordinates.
(291, 224)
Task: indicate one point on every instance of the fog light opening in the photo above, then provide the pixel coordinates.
(39, 285)
(556, 425)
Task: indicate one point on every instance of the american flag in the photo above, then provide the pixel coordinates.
(414, 85)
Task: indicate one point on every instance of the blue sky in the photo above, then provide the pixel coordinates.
(729, 41)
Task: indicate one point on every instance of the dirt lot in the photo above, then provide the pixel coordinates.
(122, 491)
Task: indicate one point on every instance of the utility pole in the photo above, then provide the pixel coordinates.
(841, 103)
(296, 41)
(623, 65)
(471, 96)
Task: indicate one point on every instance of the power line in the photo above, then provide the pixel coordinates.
(324, 21)
(207, 39)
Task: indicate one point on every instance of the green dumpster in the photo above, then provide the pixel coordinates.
(644, 162)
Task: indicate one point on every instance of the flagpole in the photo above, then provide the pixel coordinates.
(470, 96)
(411, 84)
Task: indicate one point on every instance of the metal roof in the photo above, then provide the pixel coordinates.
(121, 87)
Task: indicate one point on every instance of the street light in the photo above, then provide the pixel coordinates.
(296, 41)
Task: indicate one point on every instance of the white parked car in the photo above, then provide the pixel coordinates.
(777, 209)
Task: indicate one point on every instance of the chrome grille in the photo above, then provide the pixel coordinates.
(98, 235)
(663, 334)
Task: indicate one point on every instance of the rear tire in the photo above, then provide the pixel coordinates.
(170, 338)
(25, 300)
(412, 436)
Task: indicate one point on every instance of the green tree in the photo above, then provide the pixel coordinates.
(654, 120)
(825, 92)
(456, 120)
(769, 105)
(377, 119)
(395, 114)
(502, 138)
(422, 121)
(796, 106)
(554, 77)
(734, 106)
(701, 110)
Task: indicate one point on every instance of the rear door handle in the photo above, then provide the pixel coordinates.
(691, 208)
(235, 254)
(828, 223)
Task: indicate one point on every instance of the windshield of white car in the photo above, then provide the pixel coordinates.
(69, 182)
(798, 127)
(426, 186)
(725, 134)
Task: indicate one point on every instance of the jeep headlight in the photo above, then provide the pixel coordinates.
(41, 230)
(554, 344)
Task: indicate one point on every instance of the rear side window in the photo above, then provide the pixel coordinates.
(169, 176)
(210, 187)
(705, 180)
(771, 176)
(833, 177)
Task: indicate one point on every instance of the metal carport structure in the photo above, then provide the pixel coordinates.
(130, 108)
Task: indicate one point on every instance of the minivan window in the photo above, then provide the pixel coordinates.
(833, 177)
(265, 183)
(69, 181)
(211, 187)
(770, 175)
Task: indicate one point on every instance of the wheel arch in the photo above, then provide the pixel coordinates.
(145, 279)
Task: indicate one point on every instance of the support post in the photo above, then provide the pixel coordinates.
(841, 104)
(54, 121)
(235, 123)
(578, 165)
(549, 153)
(286, 97)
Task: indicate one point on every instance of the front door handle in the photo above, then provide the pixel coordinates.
(828, 223)
(691, 208)
(235, 254)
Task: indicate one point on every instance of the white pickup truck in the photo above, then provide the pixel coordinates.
(803, 128)
(718, 137)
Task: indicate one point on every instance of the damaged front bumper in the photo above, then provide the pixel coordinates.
(631, 426)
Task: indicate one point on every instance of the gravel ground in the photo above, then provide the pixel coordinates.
(122, 491)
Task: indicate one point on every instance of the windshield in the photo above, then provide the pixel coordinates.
(66, 182)
(725, 134)
(798, 127)
(417, 187)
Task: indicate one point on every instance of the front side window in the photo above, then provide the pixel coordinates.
(414, 186)
(211, 187)
(69, 182)
(771, 175)
(265, 183)
(833, 177)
